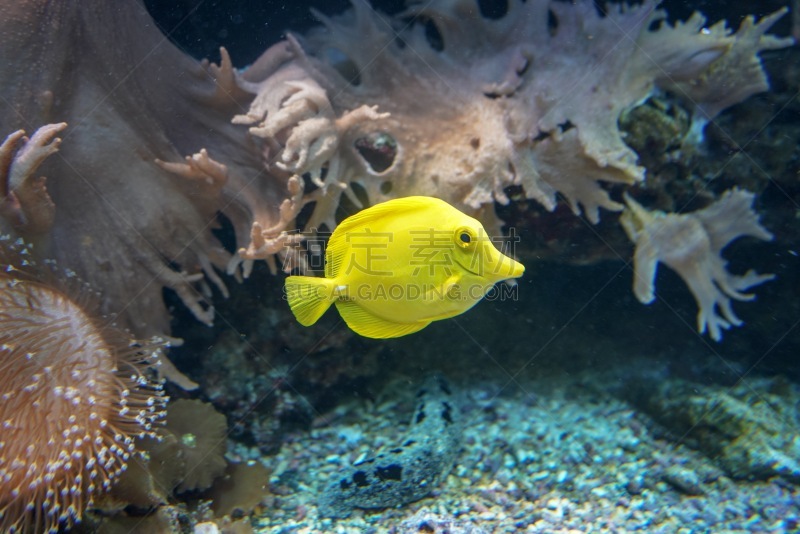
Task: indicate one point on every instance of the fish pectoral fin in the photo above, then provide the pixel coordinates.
(364, 323)
(451, 284)
(309, 297)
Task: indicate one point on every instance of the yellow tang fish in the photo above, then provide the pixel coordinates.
(393, 268)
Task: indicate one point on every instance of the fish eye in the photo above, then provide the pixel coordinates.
(465, 237)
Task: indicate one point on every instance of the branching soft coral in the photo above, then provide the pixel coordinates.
(532, 99)
(23, 197)
(109, 212)
(691, 244)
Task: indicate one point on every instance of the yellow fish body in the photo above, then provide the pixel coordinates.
(393, 268)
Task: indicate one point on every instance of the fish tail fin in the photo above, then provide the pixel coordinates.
(309, 297)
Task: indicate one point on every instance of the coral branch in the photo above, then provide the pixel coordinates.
(200, 167)
(690, 244)
(25, 201)
(734, 66)
(316, 132)
(229, 92)
(268, 62)
(265, 243)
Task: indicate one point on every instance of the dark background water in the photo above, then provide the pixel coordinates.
(247, 27)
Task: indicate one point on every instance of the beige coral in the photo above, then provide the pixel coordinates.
(531, 99)
(277, 240)
(691, 244)
(110, 213)
(23, 197)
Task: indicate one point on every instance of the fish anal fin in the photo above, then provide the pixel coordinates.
(366, 324)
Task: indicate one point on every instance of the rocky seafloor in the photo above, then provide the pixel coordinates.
(546, 455)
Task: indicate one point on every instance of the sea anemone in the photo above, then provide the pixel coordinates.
(74, 395)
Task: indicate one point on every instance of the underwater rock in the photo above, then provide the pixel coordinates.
(683, 479)
(655, 129)
(408, 472)
(240, 489)
(750, 430)
(165, 520)
(425, 522)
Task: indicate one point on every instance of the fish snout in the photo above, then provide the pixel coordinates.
(510, 268)
(501, 267)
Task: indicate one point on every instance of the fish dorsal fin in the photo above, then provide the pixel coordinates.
(366, 324)
(338, 246)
